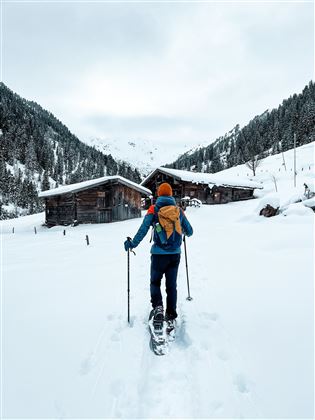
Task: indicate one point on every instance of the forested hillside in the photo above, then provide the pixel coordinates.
(267, 134)
(38, 152)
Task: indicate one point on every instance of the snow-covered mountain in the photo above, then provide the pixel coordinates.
(143, 154)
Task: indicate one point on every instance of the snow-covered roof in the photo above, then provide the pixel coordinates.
(79, 186)
(205, 178)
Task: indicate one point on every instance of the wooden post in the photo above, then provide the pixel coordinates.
(35, 230)
(283, 162)
(64, 232)
(87, 239)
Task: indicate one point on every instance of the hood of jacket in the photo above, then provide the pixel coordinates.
(164, 200)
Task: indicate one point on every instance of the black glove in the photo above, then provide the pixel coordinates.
(129, 244)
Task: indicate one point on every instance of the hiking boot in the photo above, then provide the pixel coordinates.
(158, 314)
(170, 317)
(170, 325)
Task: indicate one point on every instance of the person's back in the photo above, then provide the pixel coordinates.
(169, 223)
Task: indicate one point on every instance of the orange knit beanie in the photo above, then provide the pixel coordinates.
(165, 189)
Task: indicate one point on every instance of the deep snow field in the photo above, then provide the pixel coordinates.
(244, 345)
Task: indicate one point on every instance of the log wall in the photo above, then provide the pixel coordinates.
(102, 204)
(60, 210)
(207, 195)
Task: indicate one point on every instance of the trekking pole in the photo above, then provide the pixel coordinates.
(128, 278)
(189, 297)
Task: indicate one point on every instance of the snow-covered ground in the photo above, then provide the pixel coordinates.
(279, 169)
(245, 343)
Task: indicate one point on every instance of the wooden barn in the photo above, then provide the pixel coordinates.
(101, 200)
(208, 188)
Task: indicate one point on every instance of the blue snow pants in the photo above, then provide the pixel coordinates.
(164, 264)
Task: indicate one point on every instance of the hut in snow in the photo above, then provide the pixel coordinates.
(208, 188)
(101, 200)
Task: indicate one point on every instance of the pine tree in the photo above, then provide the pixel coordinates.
(45, 182)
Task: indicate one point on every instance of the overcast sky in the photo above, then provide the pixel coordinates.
(177, 73)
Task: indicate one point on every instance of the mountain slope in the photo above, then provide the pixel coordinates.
(39, 152)
(266, 134)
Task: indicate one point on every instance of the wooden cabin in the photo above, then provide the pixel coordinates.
(208, 188)
(102, 200)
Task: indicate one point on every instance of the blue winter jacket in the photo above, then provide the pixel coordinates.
(149, 220)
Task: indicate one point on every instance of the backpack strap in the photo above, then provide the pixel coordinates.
(151, 211)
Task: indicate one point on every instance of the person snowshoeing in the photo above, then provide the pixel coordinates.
(169, 223)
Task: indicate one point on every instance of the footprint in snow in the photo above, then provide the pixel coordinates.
(182, 337)
(116, 387)
(59, 410)
(222, 355)
(86, 365)
(241, 384)
(210, 316)
(115, 337)
(216, 406)
(205, 345)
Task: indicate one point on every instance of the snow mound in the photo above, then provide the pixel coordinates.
(295, 198)
(272, 199)
(310, 202)
(297, 209)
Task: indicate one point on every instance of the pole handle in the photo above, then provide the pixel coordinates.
(130, 249)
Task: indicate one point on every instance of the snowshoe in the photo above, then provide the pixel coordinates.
(170, 329)
(158, 343)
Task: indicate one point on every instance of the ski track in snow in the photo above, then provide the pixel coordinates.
(178, 373)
